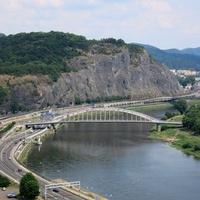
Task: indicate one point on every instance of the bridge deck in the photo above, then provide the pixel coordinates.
(106, 115)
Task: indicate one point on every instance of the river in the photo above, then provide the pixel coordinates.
(118, 161)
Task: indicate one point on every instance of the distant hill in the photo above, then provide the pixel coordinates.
(193, 51)
(188, 58)
(1, 35)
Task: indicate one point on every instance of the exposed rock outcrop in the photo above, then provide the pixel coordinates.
(96, 75)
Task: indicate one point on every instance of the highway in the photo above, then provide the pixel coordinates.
(10, 168)
(9, 144)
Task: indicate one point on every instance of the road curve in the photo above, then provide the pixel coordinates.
(10, 168)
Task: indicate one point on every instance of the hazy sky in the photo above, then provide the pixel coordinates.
(161, 23)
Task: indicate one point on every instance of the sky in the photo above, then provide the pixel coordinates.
(161, 23)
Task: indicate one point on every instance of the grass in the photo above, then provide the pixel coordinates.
(24, 154)
(188, 144)
(177, 118)
(152, 107)
(193, 102)
(8, 127)
(180, 139)
(162, 105)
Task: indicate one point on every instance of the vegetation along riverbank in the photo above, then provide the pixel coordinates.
(186, 138)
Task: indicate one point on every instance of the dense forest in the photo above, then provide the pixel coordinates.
(176, 59)
(46, 53)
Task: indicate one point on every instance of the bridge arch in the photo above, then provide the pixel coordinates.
(108, 114)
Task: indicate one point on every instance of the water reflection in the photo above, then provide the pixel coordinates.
(119, 162)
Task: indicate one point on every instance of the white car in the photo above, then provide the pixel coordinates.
(11, 195)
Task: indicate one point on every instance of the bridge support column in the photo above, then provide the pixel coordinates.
(158, 127)
(54, 128)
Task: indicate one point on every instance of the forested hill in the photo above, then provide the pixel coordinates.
(47, 53)
(191, 51)
(82, 71)
(176, 59)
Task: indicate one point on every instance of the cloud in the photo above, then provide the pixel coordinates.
(149, 21)
(158, 6)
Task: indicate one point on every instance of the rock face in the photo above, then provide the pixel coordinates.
(96, 75)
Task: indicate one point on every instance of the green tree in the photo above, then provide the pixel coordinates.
(29, 186)
(78, 100)
(169, 115)
(181, 106)
(197, 125)
(190, 79)
(3, 94)
(15, 107)
(4, 181)
(184, 81)
(191, 119)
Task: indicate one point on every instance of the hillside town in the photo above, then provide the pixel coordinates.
(183, 74)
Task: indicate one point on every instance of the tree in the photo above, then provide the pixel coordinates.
(190, 79)
(4, 181)
(3, 94)
(191, 119)
(181, 106)
(197, 125)
(184, 81)
(78, 100)
(29, 186)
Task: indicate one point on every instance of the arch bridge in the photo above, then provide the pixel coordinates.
(106, 114)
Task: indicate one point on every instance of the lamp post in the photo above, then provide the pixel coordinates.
(25, 136)
(59, 171)
(41, 163)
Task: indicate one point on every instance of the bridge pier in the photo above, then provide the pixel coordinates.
(158, 127)
(27, 127)
(54, 127)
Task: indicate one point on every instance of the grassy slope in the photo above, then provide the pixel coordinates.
(181, 139)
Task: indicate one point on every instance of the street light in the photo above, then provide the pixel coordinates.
(60, 172)
(41, 163)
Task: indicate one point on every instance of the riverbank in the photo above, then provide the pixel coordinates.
(82, 192)
(146, 107)
(162, 105)
(179, 138)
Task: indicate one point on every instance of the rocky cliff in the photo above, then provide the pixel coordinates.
(96, 75)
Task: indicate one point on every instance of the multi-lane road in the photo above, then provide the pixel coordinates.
(10, 167)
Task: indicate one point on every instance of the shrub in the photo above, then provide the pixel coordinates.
(164, 127)
(196, 147)
(186, 145)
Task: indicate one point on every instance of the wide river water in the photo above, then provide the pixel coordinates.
(118, 161)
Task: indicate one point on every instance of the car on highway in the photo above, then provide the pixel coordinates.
(55, 189)
(3, 188)
(19, 170)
